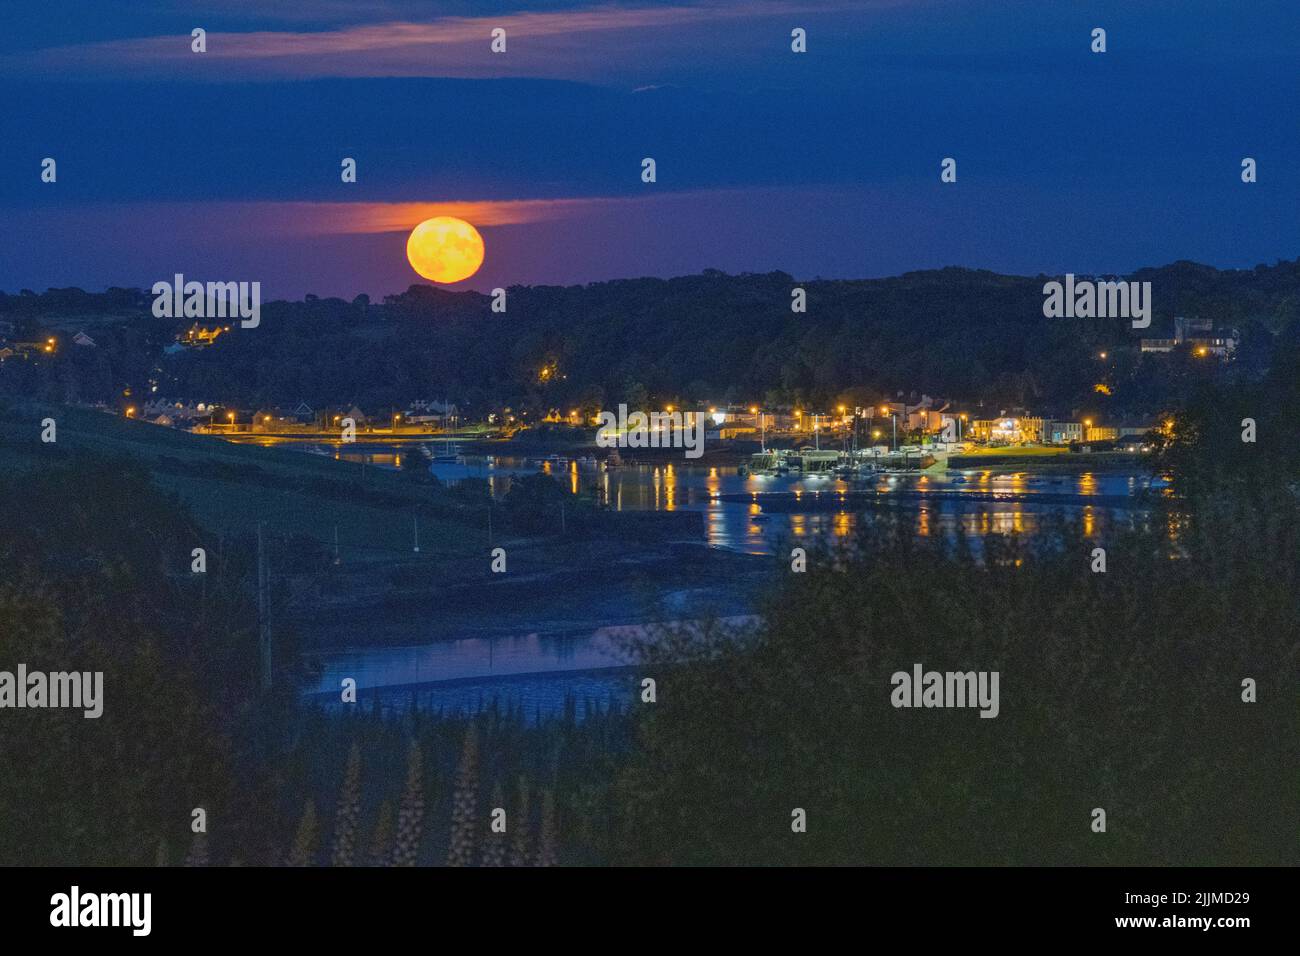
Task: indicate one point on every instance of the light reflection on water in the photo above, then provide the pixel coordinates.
(746, 527)
(535, 671)
(540, 672)
(474, 658)
(531, 672)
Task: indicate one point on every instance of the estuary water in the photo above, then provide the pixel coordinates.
(543, 673)
(979, 501)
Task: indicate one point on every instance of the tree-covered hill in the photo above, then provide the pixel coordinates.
(965, 334)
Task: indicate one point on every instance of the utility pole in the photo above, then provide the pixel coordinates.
(263, 612)
(337, 559)
(415, 520)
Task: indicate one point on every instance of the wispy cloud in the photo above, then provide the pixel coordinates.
(361, 218)
(304, 219)
(557, 44)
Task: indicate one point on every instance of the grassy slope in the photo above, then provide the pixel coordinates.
(229, 488)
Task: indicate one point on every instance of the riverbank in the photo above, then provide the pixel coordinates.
(342, 540)
(549, 587)
(788, 502)
(1062, 462)
(714, 453)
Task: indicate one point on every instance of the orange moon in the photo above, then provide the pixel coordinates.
(445, 249)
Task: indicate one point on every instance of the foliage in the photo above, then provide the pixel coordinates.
(1121, 690)
(97, 579)
(967, 334)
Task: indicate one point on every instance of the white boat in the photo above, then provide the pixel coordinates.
(450, 455)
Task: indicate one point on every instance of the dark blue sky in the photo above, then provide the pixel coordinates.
(225, 165)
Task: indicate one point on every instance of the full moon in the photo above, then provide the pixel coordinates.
(445, 249)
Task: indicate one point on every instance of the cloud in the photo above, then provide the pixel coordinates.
(361, 218)
(231, 219)
(556, 44)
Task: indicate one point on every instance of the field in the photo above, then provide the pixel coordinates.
(230, 488)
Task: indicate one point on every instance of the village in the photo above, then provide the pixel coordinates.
(892, 435)
(865, 432)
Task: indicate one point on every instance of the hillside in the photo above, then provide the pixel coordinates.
(970, 335)
(230, 488)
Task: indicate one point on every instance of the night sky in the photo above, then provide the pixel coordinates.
(225, 165)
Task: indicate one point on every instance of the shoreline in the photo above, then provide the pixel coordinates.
(725, 454)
